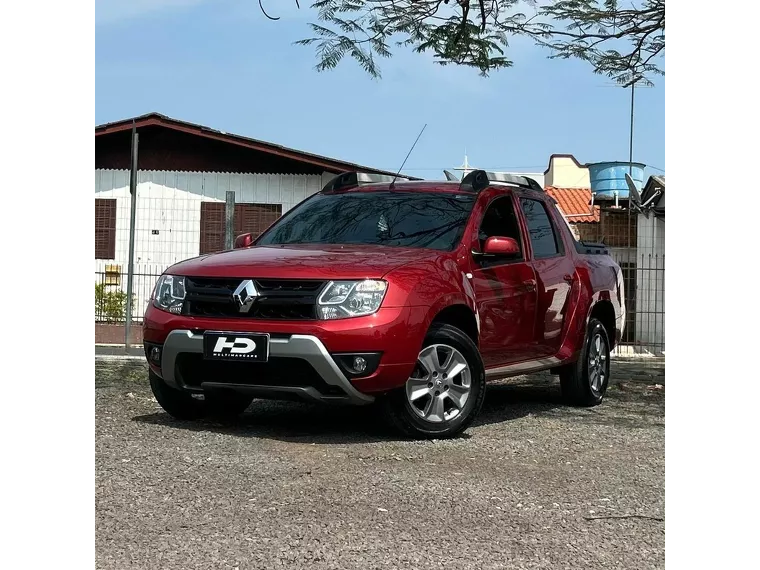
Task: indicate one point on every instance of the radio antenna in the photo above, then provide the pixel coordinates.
(407, 156)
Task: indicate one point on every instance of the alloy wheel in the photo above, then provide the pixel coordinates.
(440, 385)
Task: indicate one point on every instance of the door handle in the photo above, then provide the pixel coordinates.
(568, 278)
(530, 285)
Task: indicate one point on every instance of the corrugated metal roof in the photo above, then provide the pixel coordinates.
(575, 203)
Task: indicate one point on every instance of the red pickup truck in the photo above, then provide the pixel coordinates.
(410, 294)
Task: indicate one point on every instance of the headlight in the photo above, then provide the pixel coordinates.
(169, 293)
(343, 299)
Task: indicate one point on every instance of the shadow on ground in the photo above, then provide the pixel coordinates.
(634, 402)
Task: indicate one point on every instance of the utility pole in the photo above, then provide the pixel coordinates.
(133, 210)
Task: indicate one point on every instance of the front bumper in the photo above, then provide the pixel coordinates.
(303, 347)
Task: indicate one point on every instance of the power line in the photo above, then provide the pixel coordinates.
(496, 168)
(540, 167)
(619, 85)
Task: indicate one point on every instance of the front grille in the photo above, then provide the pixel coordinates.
(279, 299)
(193, 370)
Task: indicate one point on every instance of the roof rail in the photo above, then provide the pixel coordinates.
(351, 179)
(478, 180)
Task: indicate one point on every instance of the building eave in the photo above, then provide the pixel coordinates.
(157, 119)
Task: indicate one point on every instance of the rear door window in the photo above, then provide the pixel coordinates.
(543, 235)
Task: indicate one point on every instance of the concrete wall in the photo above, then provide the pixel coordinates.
(564, 172)
(650, 301)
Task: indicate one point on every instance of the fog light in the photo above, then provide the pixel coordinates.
(359, 365)
(155, 354)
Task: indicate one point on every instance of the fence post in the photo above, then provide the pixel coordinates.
(229, 220)
(131, 264)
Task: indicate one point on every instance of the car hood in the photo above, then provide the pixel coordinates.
(303, 262)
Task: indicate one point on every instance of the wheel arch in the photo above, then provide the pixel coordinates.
(460, 316)
(604, 311)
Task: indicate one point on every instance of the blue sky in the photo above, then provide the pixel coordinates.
(222, 64)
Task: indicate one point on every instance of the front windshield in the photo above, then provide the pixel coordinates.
(400, 219)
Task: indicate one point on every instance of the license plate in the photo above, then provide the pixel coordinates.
(241, 347)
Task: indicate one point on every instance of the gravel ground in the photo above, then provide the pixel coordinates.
(532, 484)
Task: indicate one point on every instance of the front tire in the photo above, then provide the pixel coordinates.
(585, 382)
(446, 390)
(219, 404)
(178, 404)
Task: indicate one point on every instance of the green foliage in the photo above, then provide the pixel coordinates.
(621, 42)
(110, 305)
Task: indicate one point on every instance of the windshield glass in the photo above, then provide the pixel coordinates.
(400, 219)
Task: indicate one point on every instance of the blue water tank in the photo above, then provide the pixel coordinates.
(608, 177)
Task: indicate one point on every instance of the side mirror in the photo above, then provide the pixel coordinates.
(497, 245)
(243, 240)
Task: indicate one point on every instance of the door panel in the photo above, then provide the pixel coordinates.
(505, 289)
(506, 303)
(552, 301)
(554, 276)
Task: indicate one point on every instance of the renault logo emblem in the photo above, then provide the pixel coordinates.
(245, 295)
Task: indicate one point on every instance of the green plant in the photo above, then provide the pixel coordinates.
(110, 306)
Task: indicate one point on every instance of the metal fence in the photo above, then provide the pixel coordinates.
(111, 293)
(644, 283)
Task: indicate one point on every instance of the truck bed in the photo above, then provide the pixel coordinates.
(591, 248)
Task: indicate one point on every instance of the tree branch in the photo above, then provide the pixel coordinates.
(477, 32)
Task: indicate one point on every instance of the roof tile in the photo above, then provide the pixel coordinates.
(575, 204)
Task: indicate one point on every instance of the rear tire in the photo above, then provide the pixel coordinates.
(446, 390)
(585, 382)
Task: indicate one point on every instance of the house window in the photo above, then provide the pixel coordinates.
(248, 218)
(105, 228)
(112, 275)
(255, 218)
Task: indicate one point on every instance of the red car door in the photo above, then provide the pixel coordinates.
(554, 272)
(504, 287)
